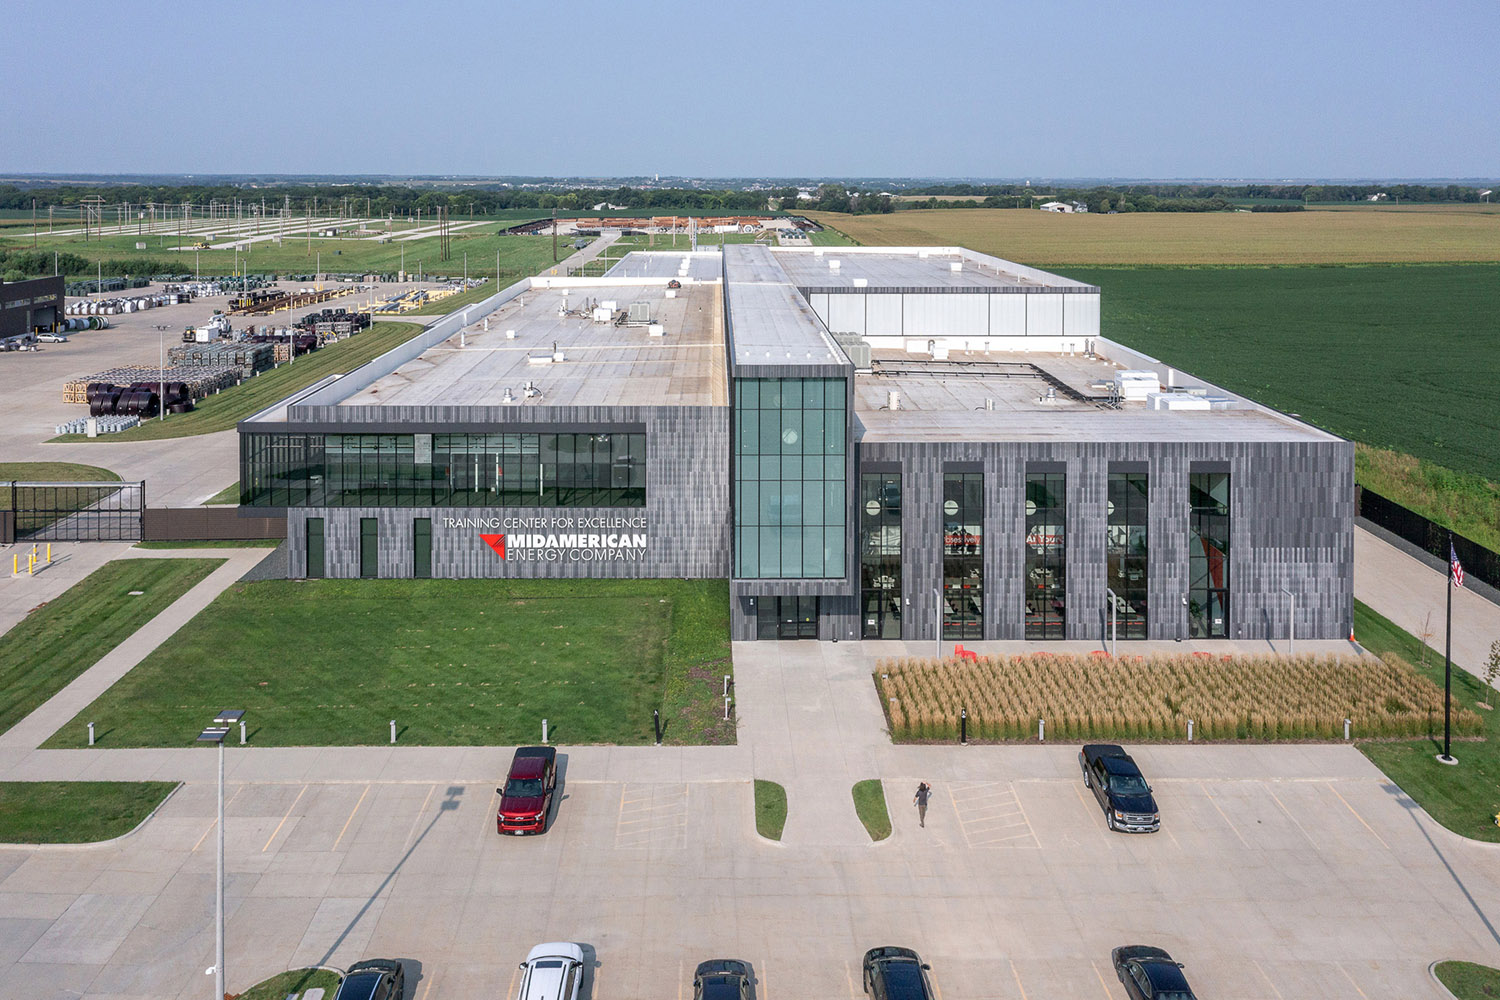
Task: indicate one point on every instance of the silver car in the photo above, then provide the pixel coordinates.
(552, 971)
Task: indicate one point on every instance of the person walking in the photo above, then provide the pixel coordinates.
(924, 792)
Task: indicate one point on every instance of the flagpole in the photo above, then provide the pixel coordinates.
(1448, 663)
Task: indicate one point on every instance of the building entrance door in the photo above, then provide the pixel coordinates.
(786, 618)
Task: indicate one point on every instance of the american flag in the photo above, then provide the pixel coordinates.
(1456, 568)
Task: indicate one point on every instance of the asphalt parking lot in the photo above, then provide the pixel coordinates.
(1293, 886)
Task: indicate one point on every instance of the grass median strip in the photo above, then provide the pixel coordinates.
(453, 662)
(75, 812)
(222, 411)
(1464, 798)
(1469, 980)
(294, 983)
(870, 807)
(58, 641)
(770, 809)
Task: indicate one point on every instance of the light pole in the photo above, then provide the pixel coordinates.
(215, 734)
(1114, 619)
(1291, 624)
(161, 396)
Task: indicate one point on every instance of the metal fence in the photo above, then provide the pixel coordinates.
(73, 512)
(1479, 562)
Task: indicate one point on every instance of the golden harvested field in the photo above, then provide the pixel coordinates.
(1133, 698)
(1356, 236)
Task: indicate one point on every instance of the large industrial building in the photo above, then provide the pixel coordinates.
(874, 443)
(34, 306)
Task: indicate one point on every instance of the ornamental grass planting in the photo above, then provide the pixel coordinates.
(1254, 698)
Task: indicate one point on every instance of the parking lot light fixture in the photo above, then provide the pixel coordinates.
(215, 734)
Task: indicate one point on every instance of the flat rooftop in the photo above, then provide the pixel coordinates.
(702, 265)
(1012, 396)
(771, 323)
(603, 364)
(913, 270)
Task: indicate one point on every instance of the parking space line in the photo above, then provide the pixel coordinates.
(849, 978)
(681, 972)
(763, 992)
(1102, 984)
(1267, 978)
(1289, 816)
(936, 986)
(351, 817)
(283, 819)
(1357, 816)
(1017, 973)
(427, 982)
(1351, 980)
(1210, 796)
(420, 811)
(510, 990)
(215, 821)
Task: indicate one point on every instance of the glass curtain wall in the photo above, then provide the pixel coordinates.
(1208, 555)
(1046, 549)
(880, 554)
(1126, 554)
(791, 493)
(963, 562)
(443, 470)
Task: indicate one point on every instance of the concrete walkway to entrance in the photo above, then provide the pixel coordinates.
(63, 706)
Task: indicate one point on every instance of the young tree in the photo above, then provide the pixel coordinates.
(1491, 671)
(1426, 636)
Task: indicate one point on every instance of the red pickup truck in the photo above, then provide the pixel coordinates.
(526, 798)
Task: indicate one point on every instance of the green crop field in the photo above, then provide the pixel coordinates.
(1396, 357)
(454, 662)
(1456, 233)
(525, 254)
(222, 411)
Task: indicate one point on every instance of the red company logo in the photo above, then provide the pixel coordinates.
(496, 542)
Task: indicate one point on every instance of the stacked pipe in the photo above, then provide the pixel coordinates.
(197, 381)
(106, 399)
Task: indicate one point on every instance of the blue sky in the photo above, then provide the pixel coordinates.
(1071, 89)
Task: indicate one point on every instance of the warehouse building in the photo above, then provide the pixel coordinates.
(870, 443)
(28, 307)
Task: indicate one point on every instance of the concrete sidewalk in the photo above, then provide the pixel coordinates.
(1412, 595)
(71, 562)
(31, 731)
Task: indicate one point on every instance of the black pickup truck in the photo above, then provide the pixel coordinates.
(1120, 789)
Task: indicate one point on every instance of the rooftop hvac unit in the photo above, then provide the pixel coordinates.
(893, 399)
(956, 265)
(833, 265)
(1137, 384)
(1177, 401)
(655, 330)
(640, 312)
(510, 335)
(603, 315)
(861, 282)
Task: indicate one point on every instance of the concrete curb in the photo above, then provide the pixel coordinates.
(1432, 971)
(100, 843)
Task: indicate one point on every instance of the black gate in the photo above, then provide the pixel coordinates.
(73, 512)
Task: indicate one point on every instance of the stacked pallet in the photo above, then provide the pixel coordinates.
(200, 380)
(248, 358)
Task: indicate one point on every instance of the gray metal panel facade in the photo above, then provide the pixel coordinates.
(687, 505)
(1292, 525)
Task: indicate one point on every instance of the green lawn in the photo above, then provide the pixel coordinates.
(869, 805)
(75, 812)
(1466, 797)
(1396, 356)
(831, 237)
(48, 648)
(298, 981)
(55, 472)
(222, 411)
(770, 809)
(454, 662)
(1469, 981)
(228, 495)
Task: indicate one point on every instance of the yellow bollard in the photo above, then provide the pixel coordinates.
(15, 565)
(31, 566)
(49, 553)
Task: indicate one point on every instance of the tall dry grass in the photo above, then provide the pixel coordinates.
(1257, 698)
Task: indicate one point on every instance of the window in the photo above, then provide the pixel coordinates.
(880, 554)
(963, 562)
(1126, 554)
(315, 565)
(369, 547)
(421, 547)
(1046, 549)
(1208, 555)
(597, 469)
(790, 486)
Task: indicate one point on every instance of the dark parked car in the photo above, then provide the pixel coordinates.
(527, 796)
(373, 979)
(1119, 787)
(896, 974)
(1150, 974)
(721, 979)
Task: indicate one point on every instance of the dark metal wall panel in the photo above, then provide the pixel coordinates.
(207, 523)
